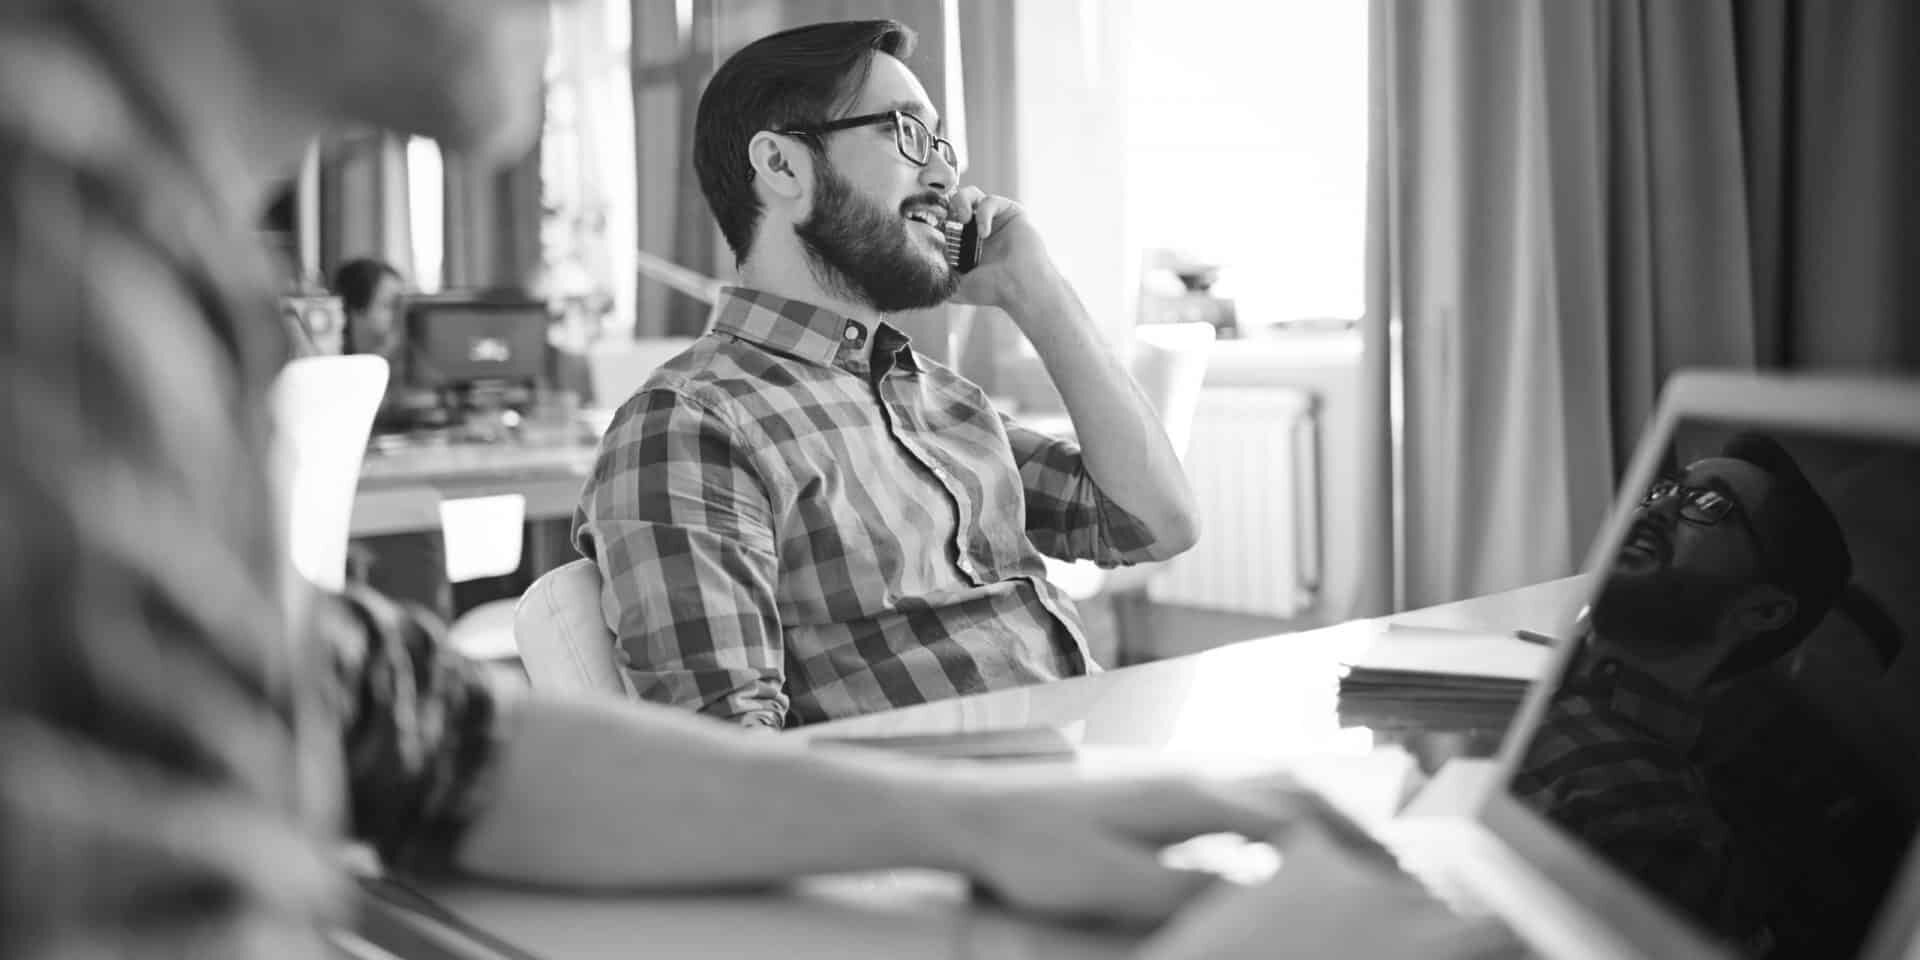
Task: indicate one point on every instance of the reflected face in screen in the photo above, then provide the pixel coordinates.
(1691, 554)
(1768, 792)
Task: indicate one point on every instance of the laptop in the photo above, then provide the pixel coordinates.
(1712, 765)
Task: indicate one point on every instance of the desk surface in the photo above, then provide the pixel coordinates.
(1244, 706)
(400, 489)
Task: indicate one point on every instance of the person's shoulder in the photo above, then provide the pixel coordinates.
(726, 371)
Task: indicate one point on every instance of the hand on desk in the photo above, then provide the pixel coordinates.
(1091, 849)
(1331, 898)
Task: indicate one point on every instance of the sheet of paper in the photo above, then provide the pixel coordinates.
(1405, 649)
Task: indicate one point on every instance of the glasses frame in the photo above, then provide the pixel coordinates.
(1690, 511)
(899, 119)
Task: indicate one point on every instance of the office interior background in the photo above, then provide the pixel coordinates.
(1449, 251)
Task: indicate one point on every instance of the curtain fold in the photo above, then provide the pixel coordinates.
(363, 201)
(1569, 202)
(492, 223)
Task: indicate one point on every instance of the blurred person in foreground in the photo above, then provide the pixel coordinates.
(187, 734)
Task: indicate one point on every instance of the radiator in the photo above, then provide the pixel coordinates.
(1254, 462)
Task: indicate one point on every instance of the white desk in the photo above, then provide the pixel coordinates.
(400, 490)
(1248, 705)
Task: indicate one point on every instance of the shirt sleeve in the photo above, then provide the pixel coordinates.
(1067, 516)
(419, 727)
(679, 518)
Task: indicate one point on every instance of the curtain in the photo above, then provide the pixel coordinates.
(363, 202)
(990, 79)
(1569, 202)
(492, 222)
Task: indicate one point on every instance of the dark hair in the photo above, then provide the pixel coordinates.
(1810, 547)
(792, 78)
(356, 280)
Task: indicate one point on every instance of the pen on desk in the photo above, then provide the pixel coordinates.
(1539, 638)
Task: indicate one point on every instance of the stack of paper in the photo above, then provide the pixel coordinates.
(1446, 678)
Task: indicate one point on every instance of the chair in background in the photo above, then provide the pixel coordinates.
(323, 410)
(617, 368)
(1169, 362)
(564, 643)
(483, 538)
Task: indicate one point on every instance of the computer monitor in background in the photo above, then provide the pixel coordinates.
(472, 350)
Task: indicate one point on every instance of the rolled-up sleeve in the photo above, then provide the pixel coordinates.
(420, 728)
(679, 519)
(1067, 516)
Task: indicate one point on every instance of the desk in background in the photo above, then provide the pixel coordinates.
(400, 489)
(1249, 705)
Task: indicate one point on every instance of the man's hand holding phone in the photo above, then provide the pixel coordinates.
(1013, 266)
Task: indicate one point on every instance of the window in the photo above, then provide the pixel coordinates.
(426, 213)
(1247, 147)
(588, 232)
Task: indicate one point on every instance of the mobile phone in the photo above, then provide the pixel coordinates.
(963, 244)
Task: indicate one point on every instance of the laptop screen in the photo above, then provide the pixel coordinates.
(1738, 728)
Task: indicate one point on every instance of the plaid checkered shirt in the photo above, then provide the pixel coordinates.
(177, 762)
(1615, 764)
(790, 531)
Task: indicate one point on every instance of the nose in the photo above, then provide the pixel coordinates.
(1666, 510)
(938, 174)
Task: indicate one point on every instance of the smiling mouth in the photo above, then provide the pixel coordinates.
(1647, 540)
(929, 214)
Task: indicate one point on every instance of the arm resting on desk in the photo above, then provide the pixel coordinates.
(605, 793)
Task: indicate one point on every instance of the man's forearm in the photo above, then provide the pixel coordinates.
(655, 798)
(1122, 440)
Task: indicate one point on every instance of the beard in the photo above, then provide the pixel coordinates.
(1665, 615)
(861, 251)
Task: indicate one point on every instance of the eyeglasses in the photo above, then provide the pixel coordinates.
(1706, 507)
(910, 133)
(1700, 505)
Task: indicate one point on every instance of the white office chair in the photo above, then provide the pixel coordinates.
(323, 410)
(564, 643)
(617, 368)
(1169, 362)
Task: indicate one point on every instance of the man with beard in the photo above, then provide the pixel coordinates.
(187, 736)
(800, 518)
(1726, 569)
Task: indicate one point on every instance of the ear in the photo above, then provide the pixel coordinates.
(782, 164)
(1763, 608)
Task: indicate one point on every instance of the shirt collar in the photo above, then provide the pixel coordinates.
(1636, 696)
(800, 329)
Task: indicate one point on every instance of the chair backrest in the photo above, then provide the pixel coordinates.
(1170, 363)
(564, 644)
(323, 410)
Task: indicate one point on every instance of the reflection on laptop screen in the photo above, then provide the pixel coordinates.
(1736, 730)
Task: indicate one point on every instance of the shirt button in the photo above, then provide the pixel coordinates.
(853, 332)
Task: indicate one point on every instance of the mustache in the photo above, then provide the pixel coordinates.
(929, 199)
(1660, 537)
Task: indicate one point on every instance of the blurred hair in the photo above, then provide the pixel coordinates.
(793, 78)
(1815, 564)
(356, 280)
